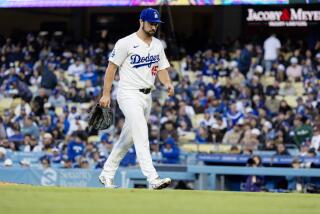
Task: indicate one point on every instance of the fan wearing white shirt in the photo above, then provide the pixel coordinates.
(315, 140)
(139, 57)
(271, 48)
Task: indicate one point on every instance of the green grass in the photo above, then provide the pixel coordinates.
(46, 200)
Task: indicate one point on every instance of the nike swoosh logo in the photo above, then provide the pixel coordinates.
(135, 46)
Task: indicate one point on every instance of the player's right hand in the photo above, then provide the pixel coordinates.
(105, 101)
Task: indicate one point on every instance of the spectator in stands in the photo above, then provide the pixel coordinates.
(294, 71)
(56, 156)
(234, 135)
(215, 86)
(315, 141)
(3, 153)
(237, 78)
(281, 150)
(302, 131)
(271, 48)
(203, 136)
(56, 99)
(188, 109)
(255, 86)
(84, 164)
(76, 68)
(73, 113)
(273, 105)
(29, 127)
(170, 152)
(295, 183)
(23, 106)
(229, 91)
(156, 154)
(22, 89)
(45, 162)
(280, 73)
(219, 128)
(168, 130)
(182, 129)
(234, 150)
(207, 121)
(90, 150)
(39, 101)
(254, 183)
(288, 89)
(66, 163)
(16, 137)
(233, 115)
(182, 116)
(77, 125)
(48, 78)
(105, 145)
(244, 62)
(81, 97)
(304, 148)
(198, 107)
(250, 139)
(47, 143)
(75, 148)
(3, 133)
(284, 107)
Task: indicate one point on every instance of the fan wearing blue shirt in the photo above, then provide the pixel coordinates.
(75, 148)
(170, 152)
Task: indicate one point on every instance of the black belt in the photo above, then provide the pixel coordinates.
(145, 90)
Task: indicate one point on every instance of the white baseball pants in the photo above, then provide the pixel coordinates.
(136, 108)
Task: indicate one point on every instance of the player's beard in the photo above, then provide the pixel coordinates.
(150, 32)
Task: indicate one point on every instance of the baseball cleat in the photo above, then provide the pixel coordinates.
(107, 182)
(160, 183)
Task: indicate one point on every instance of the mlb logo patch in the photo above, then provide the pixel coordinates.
(156, 15)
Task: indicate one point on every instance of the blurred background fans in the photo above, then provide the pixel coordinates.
(246, 76)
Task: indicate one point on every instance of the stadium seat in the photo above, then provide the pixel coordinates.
(5, 103)
(196, 119)
(94, 139)
(207, 79)
(222, 80)
(68, 77)
(193, 147)
(15, 102)
(59, 110)
(206, 148)
(191, 75)
(80, 84)
(188, 137)
(291, 100)
(176, 65)
(299, 88)
(267, 80)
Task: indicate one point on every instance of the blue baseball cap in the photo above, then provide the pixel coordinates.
(150, 15)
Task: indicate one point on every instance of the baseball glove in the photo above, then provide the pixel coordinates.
(100, 118)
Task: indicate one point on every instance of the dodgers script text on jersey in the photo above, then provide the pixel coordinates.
(139, 61)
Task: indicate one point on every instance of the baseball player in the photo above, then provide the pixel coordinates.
(140, 58)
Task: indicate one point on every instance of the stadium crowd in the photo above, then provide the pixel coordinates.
(251, 96)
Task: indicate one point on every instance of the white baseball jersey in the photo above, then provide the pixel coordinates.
(138, 63)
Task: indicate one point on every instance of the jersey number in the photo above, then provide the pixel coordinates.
(154, 70)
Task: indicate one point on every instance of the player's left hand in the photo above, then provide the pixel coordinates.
(170, 90)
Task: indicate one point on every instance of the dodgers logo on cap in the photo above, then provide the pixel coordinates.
(150, 15)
